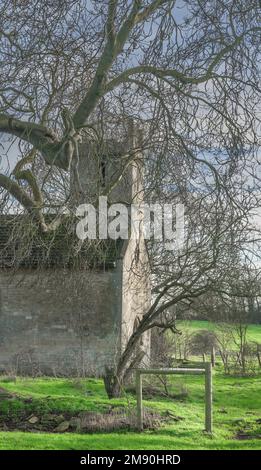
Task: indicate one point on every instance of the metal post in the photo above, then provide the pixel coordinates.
(139, 401)
(208, 397)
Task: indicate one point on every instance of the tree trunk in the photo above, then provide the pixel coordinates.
(113, 384)
(213, 356)
(258, 355)
(115, 379)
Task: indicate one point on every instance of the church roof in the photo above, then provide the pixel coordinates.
(24, 245)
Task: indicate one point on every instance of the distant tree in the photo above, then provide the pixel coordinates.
(204, 342)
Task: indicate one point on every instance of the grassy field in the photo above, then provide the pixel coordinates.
(253, 331)
(237, 411)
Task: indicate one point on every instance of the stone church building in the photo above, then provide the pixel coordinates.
(58, 315)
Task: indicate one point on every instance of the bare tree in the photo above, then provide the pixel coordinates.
(230, 309)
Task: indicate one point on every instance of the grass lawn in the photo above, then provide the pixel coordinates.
(237, 408)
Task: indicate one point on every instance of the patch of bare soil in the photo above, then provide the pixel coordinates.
(249, 431)
(83, 422)
(242, 436)
(4, 394)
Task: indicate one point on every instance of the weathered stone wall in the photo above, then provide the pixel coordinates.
(98, 173)
(58, 322)
(136, 293)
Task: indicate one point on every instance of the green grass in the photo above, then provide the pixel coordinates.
(237, 405)
(253, 331)
(59, 395)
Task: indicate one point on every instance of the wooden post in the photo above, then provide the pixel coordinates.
(207, 371)
(208, 397)
(139, 400)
